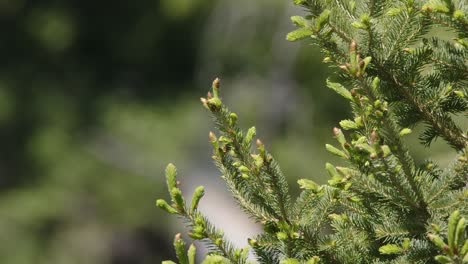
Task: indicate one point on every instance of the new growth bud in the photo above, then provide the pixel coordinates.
(405, 132)
(253, 243)
(214, 104)
(339, 136)
(335, 151)
(165, 206)
(260, 148)
(308, 185)
(212, 137)
(216, 85)
(437, 241)
(233, 119)
(179, 245)
(178, 199)
(244, 169)
(313, 260)
(282, 236)
(251, 133)
(197, 195)
(171, 177)
(191, 253)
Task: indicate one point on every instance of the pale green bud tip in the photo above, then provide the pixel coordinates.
(377, 104)
(177, 197)
(376, 83)
(406, 244)
(335, 151)
(171, 174)
(308, 184)
(299, 2)
(233, 117)
(358, 25)
(251, 133)
(405, 132)
(365, 18)
(253, 242)
(313, 260)
(339, 89)
(192, 247)
(460, 231)
(282, 236)
(437, 241)
(290, 261)
(191, 253)
(453, 219)
(394, 11)
(390, 249)
(460, 94)
(299, 34)
(386, 150)
(244, 169)
(176, 192)
(299, 21)
(214, 104)
(367, 60)
(197, 195)
(165, 206)
(171, 170)
(348, 124)
(332, 172)
(335, 217)
(200, 191)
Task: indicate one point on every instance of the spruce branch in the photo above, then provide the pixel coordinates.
(443, 124)
(269, 179)
(201, 227)
(381, 205)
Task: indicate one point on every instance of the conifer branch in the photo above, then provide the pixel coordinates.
(447, 130)
(380, 206)
(345, 10)
(340, 33)
(279, 186)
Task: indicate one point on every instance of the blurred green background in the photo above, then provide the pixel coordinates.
(96, 97)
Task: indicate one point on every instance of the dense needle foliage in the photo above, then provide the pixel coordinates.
(382, 207)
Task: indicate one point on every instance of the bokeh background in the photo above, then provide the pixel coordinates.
(96, 97)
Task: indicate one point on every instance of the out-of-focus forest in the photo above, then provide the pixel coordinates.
(96, 97)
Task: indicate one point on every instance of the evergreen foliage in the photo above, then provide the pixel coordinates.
(382, 207)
